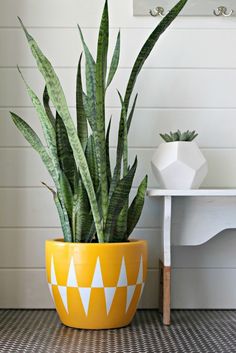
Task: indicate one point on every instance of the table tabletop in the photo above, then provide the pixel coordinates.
(192, 192)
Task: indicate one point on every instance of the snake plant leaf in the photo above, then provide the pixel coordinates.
(119, 150)
(67, 194)
(65, 153)
(124, 137)
(101, 70)
(47, 127)
(90, 83)
(90, 154)
(65, 224)
(108, 153)
(118, 200)
(121, 225)
(91, 117)
(91, 236)
(82, 216)
(35, 142)
(148, 46)
(58, 99)
(82, 126)
(46, 103)
(123, 131)
(131, 114)
(136, 207)
(114, 61)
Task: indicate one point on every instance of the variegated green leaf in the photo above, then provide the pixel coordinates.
(36, 143)
(148, 46)
(46, 103)
(58, 99)
(82, 126)
(114, 61)
(136, 207)
(117, 202)
(90, 154)
(83, 217)
(64, 219)
(67, 195)
(130, 117)
(90, 83)
(122, 141)
(108, 154)
(65, 153)
(101, 70)
(47, 127)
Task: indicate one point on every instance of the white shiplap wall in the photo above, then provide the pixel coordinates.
(188, 83)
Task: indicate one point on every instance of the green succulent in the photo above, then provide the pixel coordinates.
(92, 200)
(179, 136)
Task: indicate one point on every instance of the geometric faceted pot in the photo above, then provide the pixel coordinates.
(96, 285)
(179, 165)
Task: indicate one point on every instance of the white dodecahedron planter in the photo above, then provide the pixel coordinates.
(179, 165)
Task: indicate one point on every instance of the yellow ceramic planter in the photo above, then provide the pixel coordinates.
(96, 286)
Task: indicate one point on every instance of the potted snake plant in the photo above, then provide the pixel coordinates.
(95, 274)
(178, 163)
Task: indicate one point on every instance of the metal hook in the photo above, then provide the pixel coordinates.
(157, 11)
(222, 11)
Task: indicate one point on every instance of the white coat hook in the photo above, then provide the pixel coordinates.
(157, 11)
(223, 11)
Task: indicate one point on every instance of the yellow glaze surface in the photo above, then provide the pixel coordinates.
(96, 286)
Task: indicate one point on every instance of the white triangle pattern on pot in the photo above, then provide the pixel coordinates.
(109, 296)
(97, 282)
(53, 274)
(130, 294)
(97, 277)
(122, 282)
(72, 280)
(140, 273)
(63, 294)
(85, 298)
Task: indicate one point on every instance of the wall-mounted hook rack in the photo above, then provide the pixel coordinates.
(223, 11)
(157, 11)
(159, 8)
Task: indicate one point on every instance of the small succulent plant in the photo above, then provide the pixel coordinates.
(186, 136)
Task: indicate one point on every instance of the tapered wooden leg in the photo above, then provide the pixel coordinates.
(165, 283)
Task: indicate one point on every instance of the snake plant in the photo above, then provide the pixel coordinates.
(92, 199)
(186, 136)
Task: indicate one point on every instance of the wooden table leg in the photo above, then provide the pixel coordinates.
(165, 287)
(165, 265)
(164, 297)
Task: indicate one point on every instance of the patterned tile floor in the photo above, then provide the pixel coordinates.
(39, 331)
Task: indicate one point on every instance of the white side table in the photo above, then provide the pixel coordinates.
(190, 217)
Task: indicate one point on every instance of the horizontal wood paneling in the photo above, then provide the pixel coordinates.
(218, 252)
(158, 88)
(173, 50)
(187, 83)
(152, 121)
(28, 289)
(88, 14)
(27, 246)
(191, 288)
(22, 167)
(203, 288)
(38, 209)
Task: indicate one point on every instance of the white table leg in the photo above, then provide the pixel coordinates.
(165, 264)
